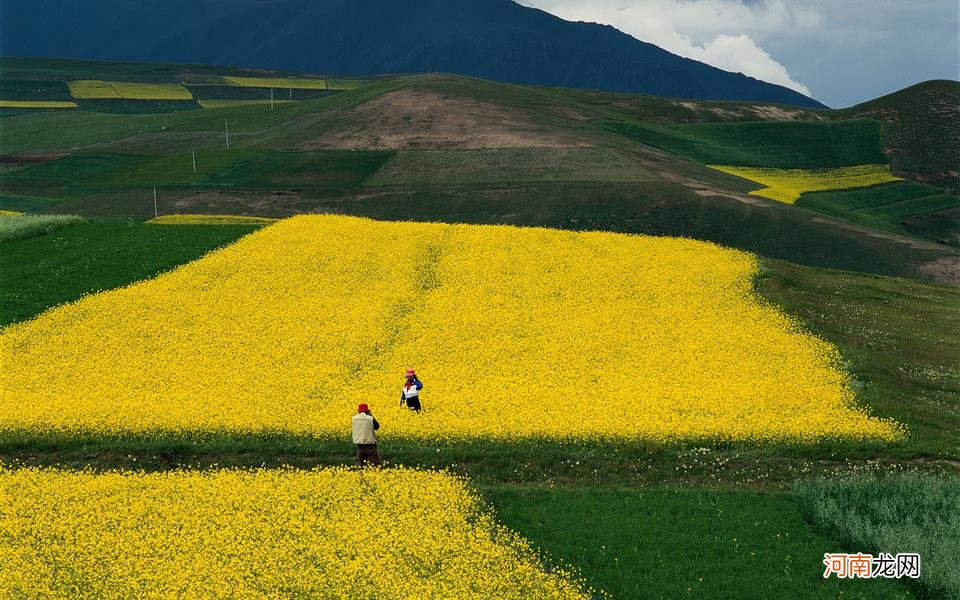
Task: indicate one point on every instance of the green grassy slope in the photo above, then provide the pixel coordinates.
(780, 144)
(912, 513)
(921, 130)
(115, 159)
(62, 266)
(245, 167)
(903, 208)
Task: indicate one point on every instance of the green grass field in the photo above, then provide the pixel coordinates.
(922, 129)
(515, 165)
(679, 543)
(62, 266)
(778, 144)
(248, 168)
(905, 208)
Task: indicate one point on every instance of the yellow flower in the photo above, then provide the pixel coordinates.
(516, 333)
(787, 185)
(273, 533)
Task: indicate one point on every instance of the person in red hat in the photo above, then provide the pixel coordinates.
(365, 436)
(410, 393)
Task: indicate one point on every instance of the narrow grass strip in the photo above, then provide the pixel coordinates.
(36, 104)
(18, 227)
(210, 220)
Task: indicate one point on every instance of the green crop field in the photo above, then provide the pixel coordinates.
(901, 208)
(470, 167)
(244, 168)
(61, 266)
(783, 144)
(34, 90)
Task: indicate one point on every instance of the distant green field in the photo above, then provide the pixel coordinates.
(25, 204)
(921, 129)
(778, 144)
(122, 106)
(214, 168)
(463, 167)
(175, 129)
(236, 92)
(13, 89)
(899, 207)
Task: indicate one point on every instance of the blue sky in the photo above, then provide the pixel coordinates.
(841, 52)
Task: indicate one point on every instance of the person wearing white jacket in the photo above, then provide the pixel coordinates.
(410, 393)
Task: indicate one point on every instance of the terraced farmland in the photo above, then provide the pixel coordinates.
(694, 412)
(96, 90)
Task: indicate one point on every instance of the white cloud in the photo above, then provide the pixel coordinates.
(721, 33)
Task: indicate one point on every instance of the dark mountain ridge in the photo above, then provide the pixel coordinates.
(491, 39)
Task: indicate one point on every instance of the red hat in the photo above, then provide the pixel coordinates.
(411, 372)
(363, 408)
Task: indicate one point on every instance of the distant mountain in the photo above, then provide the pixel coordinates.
(492, 39)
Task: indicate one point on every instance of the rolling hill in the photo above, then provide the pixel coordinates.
(492, 39)
(440, 147)
(864, 269)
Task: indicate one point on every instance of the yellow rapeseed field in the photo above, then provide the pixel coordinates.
(787, 185)
(517, 333)
(329, 533)
(10, 213)
(36, 104)
(278, 82)
(92, 89)
(95, 89)
(210, 220)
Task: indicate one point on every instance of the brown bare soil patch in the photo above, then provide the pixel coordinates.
(766, 112)
(945, 269)
(412, 119)
(239, 202)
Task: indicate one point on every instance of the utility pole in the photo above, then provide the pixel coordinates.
(271, 98)
(194, 154)
(226, 131)
(155, 202)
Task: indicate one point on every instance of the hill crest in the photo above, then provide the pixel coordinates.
(491, 39)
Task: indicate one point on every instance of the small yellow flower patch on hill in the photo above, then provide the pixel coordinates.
(210, 220)
(787, 185)
(36, 104)
(278, 82)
